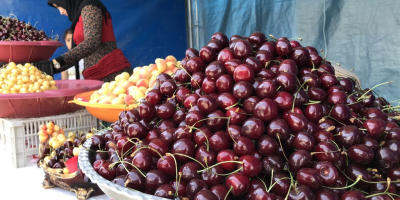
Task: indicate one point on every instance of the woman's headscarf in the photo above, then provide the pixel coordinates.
(74, 8)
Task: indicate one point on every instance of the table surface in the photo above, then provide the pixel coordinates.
(26, 183)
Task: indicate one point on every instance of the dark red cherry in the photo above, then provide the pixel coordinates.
(143, 159)
(249, 103)
(209, 86)
(254, 63)
(278, 127)
(341, 113)
(315, 60)
(225, 55)
(267, 145)
(282, 184)
(203, 155)
(300, 55)
(264, 56)
(207, 54)
(194, 186)
(166, 165)
(348, 136)
(157, 147)
(272, 162)
(227, 155)
(360, 154)
(304, 141)
(387, 158)
(375, 127)
(189, 171)
(154, 179)
(183, 146)
(244, 146)
(190, 53)
(298, 160)
(224, 83)
(287, 80)
(354, 170)
(242, 49)
(220, 191)
(325, 68)
(353, 194)
(219, 141)
(213, 176)
(295, 44)
(317, 94)
(309, 177)
(214, 70)
(300, 97)
(283, 47)
(165, 191)
(253, 128)
(201, 136)
(251, 165)
(297, 122)
(326, 151)
(231, 64)
(237, 115)
(238, 182)
(195, 64)
(147, 111)
(310, 80)
(283, 100)
(221, 37)
(216, 45)
(242, 90)
(327, 171)
(269, 47)
(257, 39)
(347, 84)
(135, 180)
(205, 195)
(266, 109)
(194, 118)
(288, 65)
(197, 79)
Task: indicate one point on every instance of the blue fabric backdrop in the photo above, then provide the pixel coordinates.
(145, 30)
(359, 34)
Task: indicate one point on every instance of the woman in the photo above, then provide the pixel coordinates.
(70, 74)
(94, 39)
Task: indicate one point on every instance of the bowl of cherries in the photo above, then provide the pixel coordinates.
(21, 42)
(251, 117)
(59, 156)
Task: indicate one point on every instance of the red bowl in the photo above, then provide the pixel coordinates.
(27, 52)
(48, 103)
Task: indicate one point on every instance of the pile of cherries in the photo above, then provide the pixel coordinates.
(255, 118)
(11, 29)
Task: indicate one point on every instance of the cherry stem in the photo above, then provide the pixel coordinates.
(236, 171)
(374, 88)
(209, 118)
(229, 107)
(272, 176)
(376, 194)
(229, 191)
(179, 154)
(283, 152)
(119, 158)
(359, 178)
(179, 182)
(271, 186)
(295, 95)
(287, 195)
(229, 132)
(265, 185)
(313, 153)
(205, 136)
(176, 165)
(229, 161)
(134, 167)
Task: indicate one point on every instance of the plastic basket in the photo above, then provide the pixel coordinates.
(19, 137)
(27, 52)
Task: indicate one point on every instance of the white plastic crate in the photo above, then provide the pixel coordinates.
(19, 137)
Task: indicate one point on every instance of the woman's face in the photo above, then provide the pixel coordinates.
(68, 40)
(62, 10)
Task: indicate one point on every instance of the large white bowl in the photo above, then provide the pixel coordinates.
(112, 190)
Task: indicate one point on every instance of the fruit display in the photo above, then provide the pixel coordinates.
(254, 118)
(24, 79)
(12, 29)
(129, 89)
(57, 149)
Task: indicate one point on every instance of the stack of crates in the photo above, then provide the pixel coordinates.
(19, 137)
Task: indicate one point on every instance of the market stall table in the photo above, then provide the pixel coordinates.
(26, 183)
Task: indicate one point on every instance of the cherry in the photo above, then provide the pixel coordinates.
(203, 155)
(220, 191)
(244, 146)
(301, 97)
(201, 135)
(215, 45)
(347, 84)
(286, 80)
(168, 87)
(376, 113)
(194, 186)
(283, 47)
(237, 115)
(189, 171)
(106, 172)
(304, 141)
(190, 100)
(317, 94)
(265, 74)
(197, 79)
(221, 37)
(272, 162)
(207, 54)
(212, 176)
(378, 196)
(348, 136)
(216, 120)
(225, 55)
(267, 145)
(226, 100)
(283, 100)
(354, 170)
(299, 159)
(266, 110)
(227, 155)
(209, 86)
(214, 70)
(341, 113)
(325, 193)
(301, 192)
(394, 174)
(335, 88)
(119, 180)
(325, 68)
(297, 122)
(181, 94)
(123, 145)
(352, 194)
(375, 127)
(381, 186)
(249, 103)
(147, 111)
(238, 182)
(254, 63)
(166, 124)
(242, 49)
(243, 72)
(253, 128)
(391, 125)
(165, 110)
(264, 56)
(166, 165)
(314, 112)
(224, 83)
(261, 193)
(205, 195)
(194, 118)
(257, 38)
(327, 125)
(360, 154)
(269, 47)
(282, 184)
(315, 60)
(327, 171)
(231, 64)
(195, 64)
(190, 53)
(300, 55)
(219, 141)
(143, 159)
(339, 97)
(242, 90)
(387, 158)
(312, 80)
(326, 151)
(393, 134)
(183, 146)
(278, 127)
(251, 165)
(134, 180)
(288, 65)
